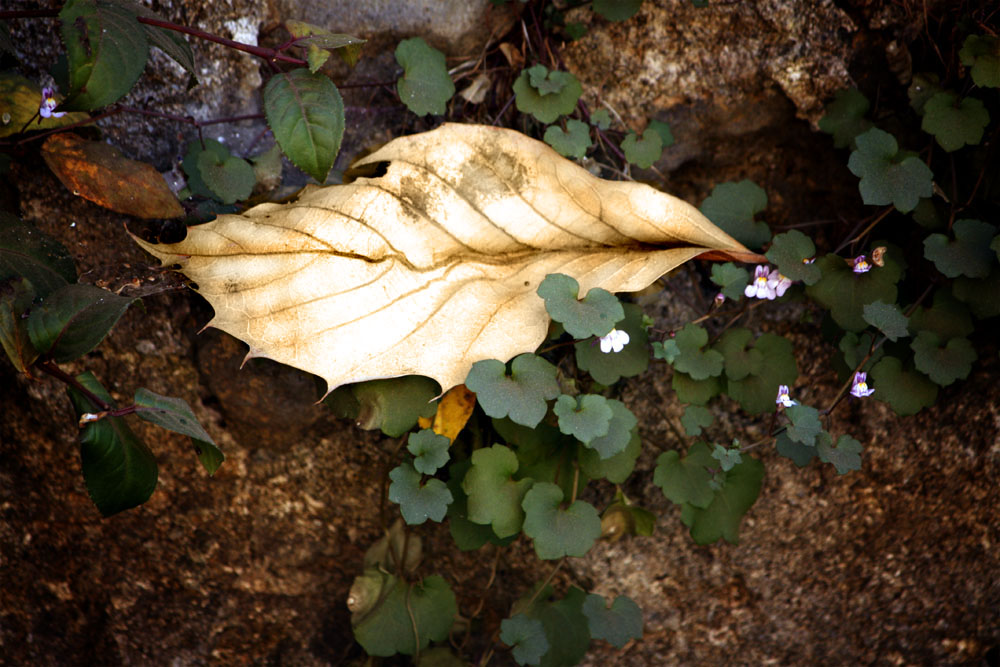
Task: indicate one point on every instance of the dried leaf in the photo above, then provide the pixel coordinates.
(98, 172)
(452, 414)
(433, 265)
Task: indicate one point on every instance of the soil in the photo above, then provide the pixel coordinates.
(896, 564)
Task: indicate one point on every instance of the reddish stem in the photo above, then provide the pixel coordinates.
(271, 55)
(60, 374)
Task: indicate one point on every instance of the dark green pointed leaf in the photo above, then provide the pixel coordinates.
(943, 362)
(887, 318)
(306, 114)
(494, 497)
(888, 176)
(968, 255)
(608, 368)
(428, 608)
(692, 360)
(106, 49)
(418, 502)
(846, 293)
(617, 10)
(25, 252)
(546, 107)
(526, 637)
(425, 86)
(805, 424)
(845, 457)
(394, 405)
(906, 390)
(73, 320)
(617, 625)
(982, 54)
(756, 392)
(522, 395)
(171, 42)
(118, 468)
(955, 123)
(430, 450)
(594, 315)
(572, 142)
(230, 179)
(686, 480)
(790, 251)
(559, 532)
(737, 494)
(845, 118)
(645, 151)
(584, 417)
(175, 414)
(695, 418)
(732, 206)
(731, 279)
(16, 296)
(799, 453)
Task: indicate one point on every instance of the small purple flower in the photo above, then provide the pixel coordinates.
(46, 108)
(861, 265)
(780, 282)
(614, 341)
(784, 398)
(720, 299)
(760, 287)
(808, 260)
(860, 387)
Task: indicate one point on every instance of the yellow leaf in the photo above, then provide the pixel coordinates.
(454, 410)
(433, 265)
(19, 102)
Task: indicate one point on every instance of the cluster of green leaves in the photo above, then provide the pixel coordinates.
(47, 317)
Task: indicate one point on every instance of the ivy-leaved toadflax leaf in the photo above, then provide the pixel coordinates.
(433, 265)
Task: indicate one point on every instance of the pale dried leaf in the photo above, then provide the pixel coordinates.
(433, 265)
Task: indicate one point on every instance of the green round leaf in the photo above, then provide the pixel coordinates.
(602, 458)
(846, 293)
(954, 124)
(686, 480)
(845, 119)
(428, 608)
(572, 142)
(799, 453)
(756, 392)
(418, 502)
(426, 86)
(982, 53)
(845, 457)
(736, 495)
(494, 497)
(968, 255)
(546, 95)
(906, 390)
(617, 10)
(732, 206)
(887, 177)
(617, 625)
(698, 364)
(943, 363)
(740, 361)
(696, 418)
(584, 417)
(731, 279)
(805, 424)
(559, 532)
(230, 179)
(430, 450)
(789, 251)
(394, 404)
(306, 114)
(526, 637)
(698, 392)
(645, 151)
(522, 395)
(887, 318)
(595, 315)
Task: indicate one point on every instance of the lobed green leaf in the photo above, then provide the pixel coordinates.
(430, 450)
(522, 395)
(792, 252)
(526, 637)
(887, 176)
(594, 315)
(559, 532)
(418, 502)
(494, 497)
(954, 123)
(733, 206)
(968, 255)
(845, 457)
(544, 104)
(643, 152)
(943, 362)
(572, 142)
(618, 624)
(425, 86)
(887, 318)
